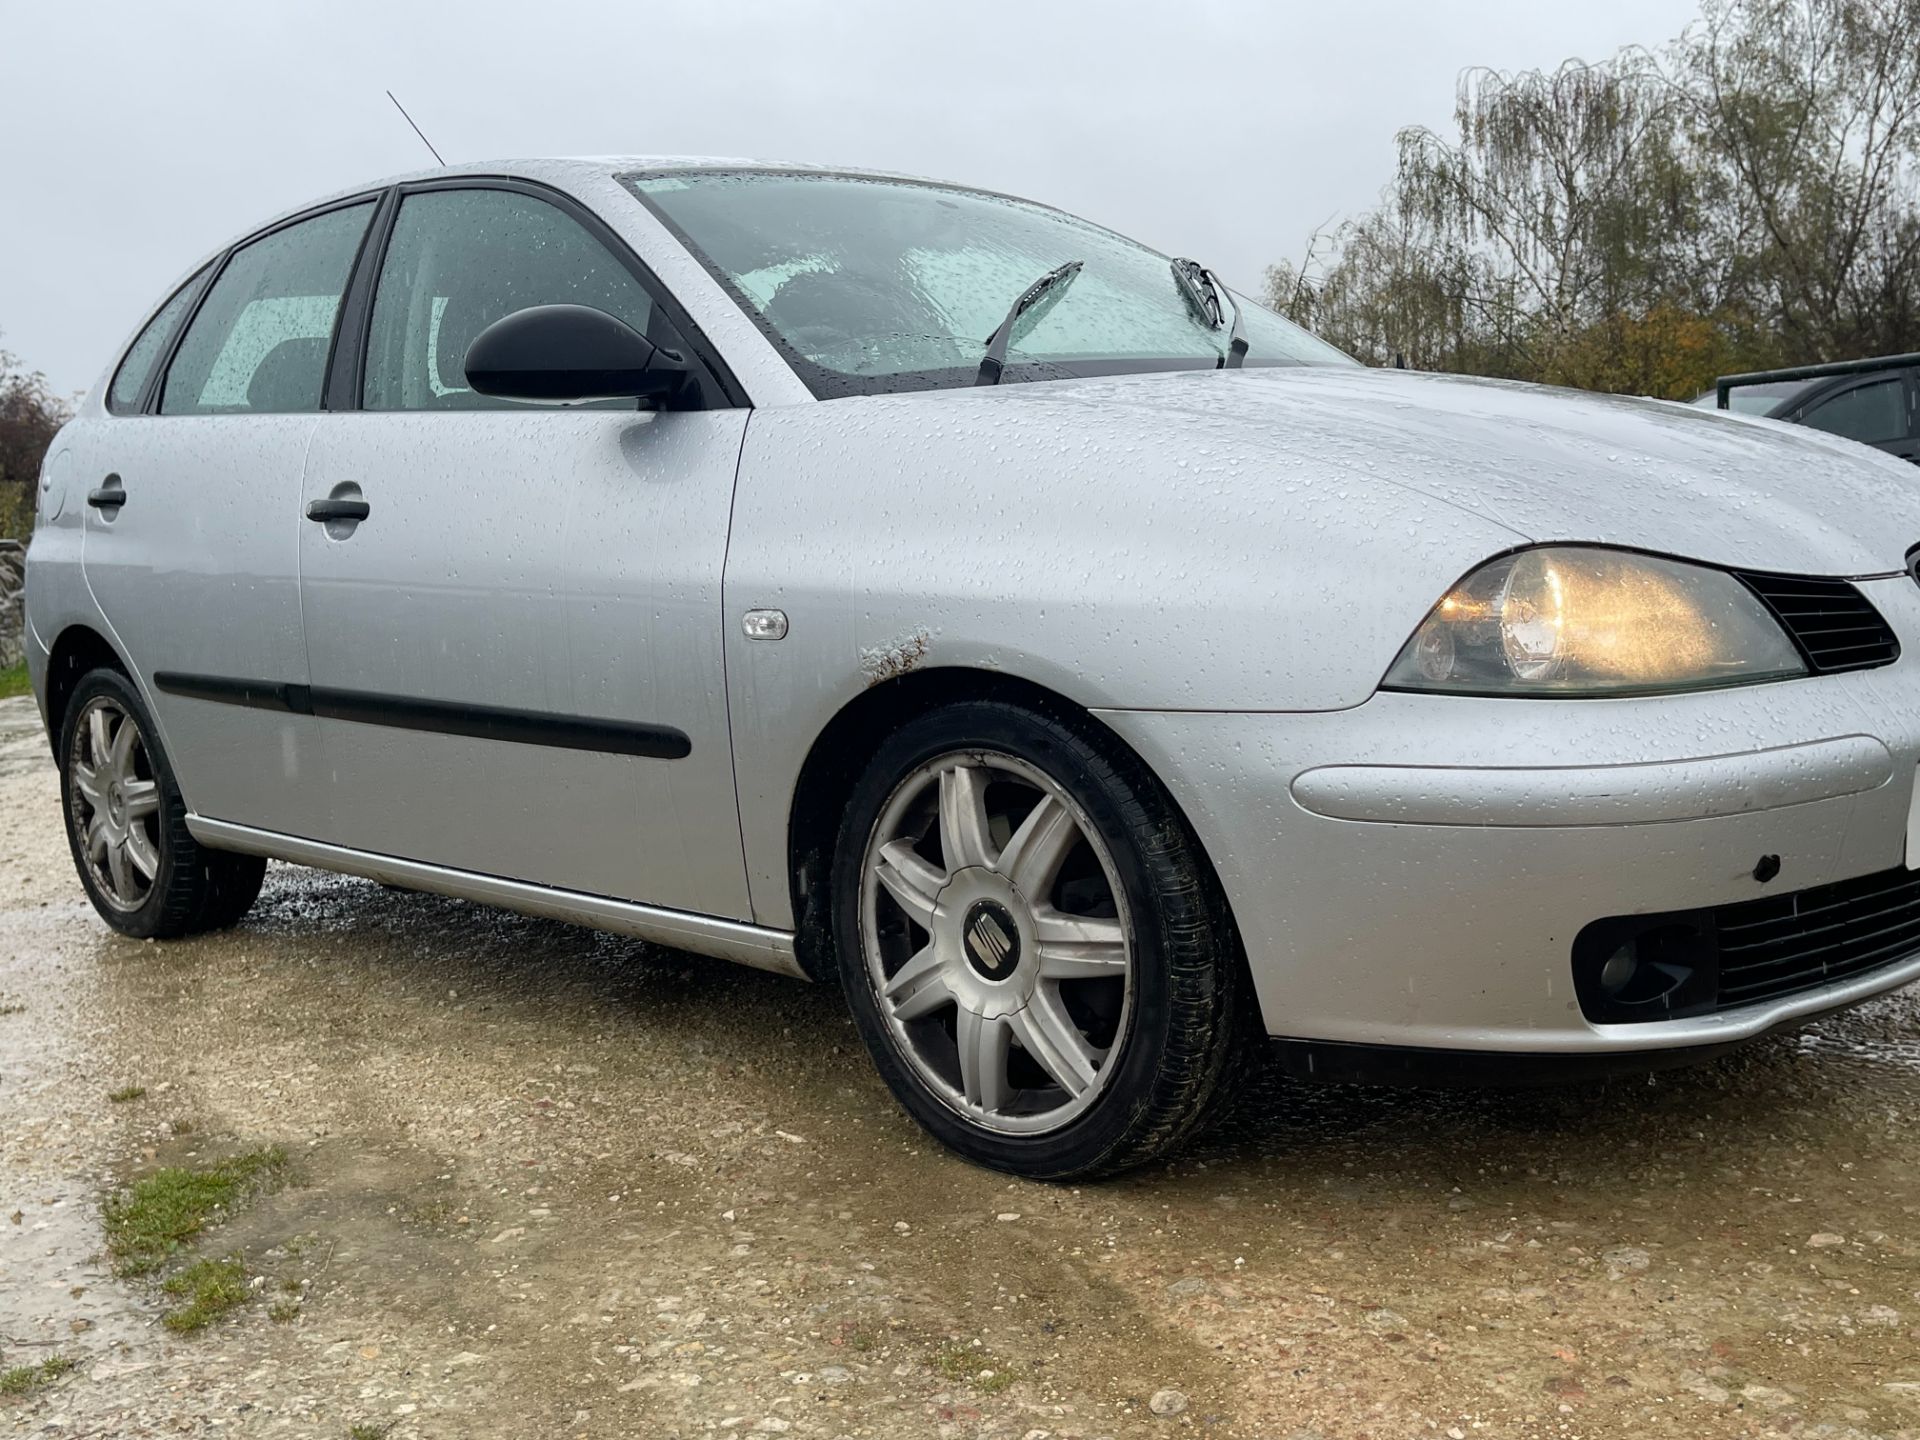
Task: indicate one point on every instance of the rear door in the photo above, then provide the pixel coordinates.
(1877, 409)
(516, 655)
(193, 523)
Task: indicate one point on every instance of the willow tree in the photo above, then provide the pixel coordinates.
(1641, 224)
(1805, 118)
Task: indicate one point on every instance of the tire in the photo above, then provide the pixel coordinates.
(1047, 889)
(127, 823)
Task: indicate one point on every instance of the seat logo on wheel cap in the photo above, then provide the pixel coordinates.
(992, 940)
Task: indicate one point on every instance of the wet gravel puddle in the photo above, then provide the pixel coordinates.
(548, 1183)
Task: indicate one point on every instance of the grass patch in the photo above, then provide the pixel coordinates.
(125, 1094)
(364, 1431)
(154, 1217)
(972, 1366)
(25, 1379)
(284, 1312)
(13, 681)
(207, 1289)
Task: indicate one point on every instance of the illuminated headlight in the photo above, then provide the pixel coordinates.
(1567, 620)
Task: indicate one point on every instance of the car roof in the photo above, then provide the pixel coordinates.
(553, 167)
(557, 169)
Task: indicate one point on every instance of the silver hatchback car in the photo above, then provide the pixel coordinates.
(881, 581)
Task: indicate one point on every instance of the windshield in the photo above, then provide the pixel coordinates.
(871, 285)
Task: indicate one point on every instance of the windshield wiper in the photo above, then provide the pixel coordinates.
(1202, 292)
(1053, 283)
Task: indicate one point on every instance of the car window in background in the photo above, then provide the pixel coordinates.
(123, 395)
(259, 344)
(460, 260)
(1761, 399)
(872, 284)
(1872, 413)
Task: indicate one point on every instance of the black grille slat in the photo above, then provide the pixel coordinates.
(1745, 992)
(1832, 634)
(1835, 626)
(1837, 948)
(1789, 943)
(1805, 902)
(1738, 940)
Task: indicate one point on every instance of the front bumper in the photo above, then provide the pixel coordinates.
(1413, 872)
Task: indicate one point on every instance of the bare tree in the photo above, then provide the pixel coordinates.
(1747, 197)
(30, 416)
(1805, 119)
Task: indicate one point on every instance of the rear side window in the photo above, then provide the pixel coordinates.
(460, 260)
(123, 395)
(1871, 413)
(259, 344)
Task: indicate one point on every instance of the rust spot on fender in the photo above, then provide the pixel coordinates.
(894, 659)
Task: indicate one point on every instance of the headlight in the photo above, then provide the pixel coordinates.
(1566, 620)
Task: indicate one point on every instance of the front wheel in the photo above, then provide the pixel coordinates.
(1033, 947)
(127, 823)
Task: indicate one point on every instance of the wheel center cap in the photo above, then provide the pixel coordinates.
(116, 805)
(991, 938)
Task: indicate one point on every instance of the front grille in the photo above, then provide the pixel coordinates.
(1788, 943)
(1835, 627)
(1632, 968)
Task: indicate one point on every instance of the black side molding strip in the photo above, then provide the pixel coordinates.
(484, 722)
(254, 694)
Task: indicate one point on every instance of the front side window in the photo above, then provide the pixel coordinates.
(259, 344)
(869, 285)
(123, 395)
(1871, 413)
(460, 260)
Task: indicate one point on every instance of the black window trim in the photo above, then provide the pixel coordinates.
(346, 369)
(190, 287)
(156, 382)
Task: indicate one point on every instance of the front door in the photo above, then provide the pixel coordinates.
(191, 534)
(516, 654)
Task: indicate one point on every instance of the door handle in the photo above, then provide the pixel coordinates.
(110, 496)
(324, 510)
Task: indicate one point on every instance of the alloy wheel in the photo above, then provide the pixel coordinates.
(997, 941)
(114, 803)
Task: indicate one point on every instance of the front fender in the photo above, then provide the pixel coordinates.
(1156, 562)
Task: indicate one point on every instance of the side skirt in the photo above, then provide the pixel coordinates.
(681, 930)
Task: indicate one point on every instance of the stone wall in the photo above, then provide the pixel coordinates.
(13, 602)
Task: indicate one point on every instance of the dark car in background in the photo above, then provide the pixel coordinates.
(1876, 401)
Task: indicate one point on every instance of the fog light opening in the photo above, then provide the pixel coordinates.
(1648, 968)
(1635, 968)
(1620, 969)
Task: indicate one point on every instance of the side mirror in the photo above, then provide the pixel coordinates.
(561, 353)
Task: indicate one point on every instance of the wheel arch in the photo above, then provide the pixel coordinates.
(76, 650)
(842, 750)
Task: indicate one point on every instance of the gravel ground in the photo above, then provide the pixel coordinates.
(550, 1183)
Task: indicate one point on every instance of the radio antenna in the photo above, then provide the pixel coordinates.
(416, 129)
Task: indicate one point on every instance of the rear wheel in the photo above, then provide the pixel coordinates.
(1032, 945)
(127, 824)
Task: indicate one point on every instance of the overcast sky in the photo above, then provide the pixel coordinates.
(1226, 131)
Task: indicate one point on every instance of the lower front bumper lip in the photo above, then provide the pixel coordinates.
(1594, 795)
(1748, 1022)
(1435, 1067)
